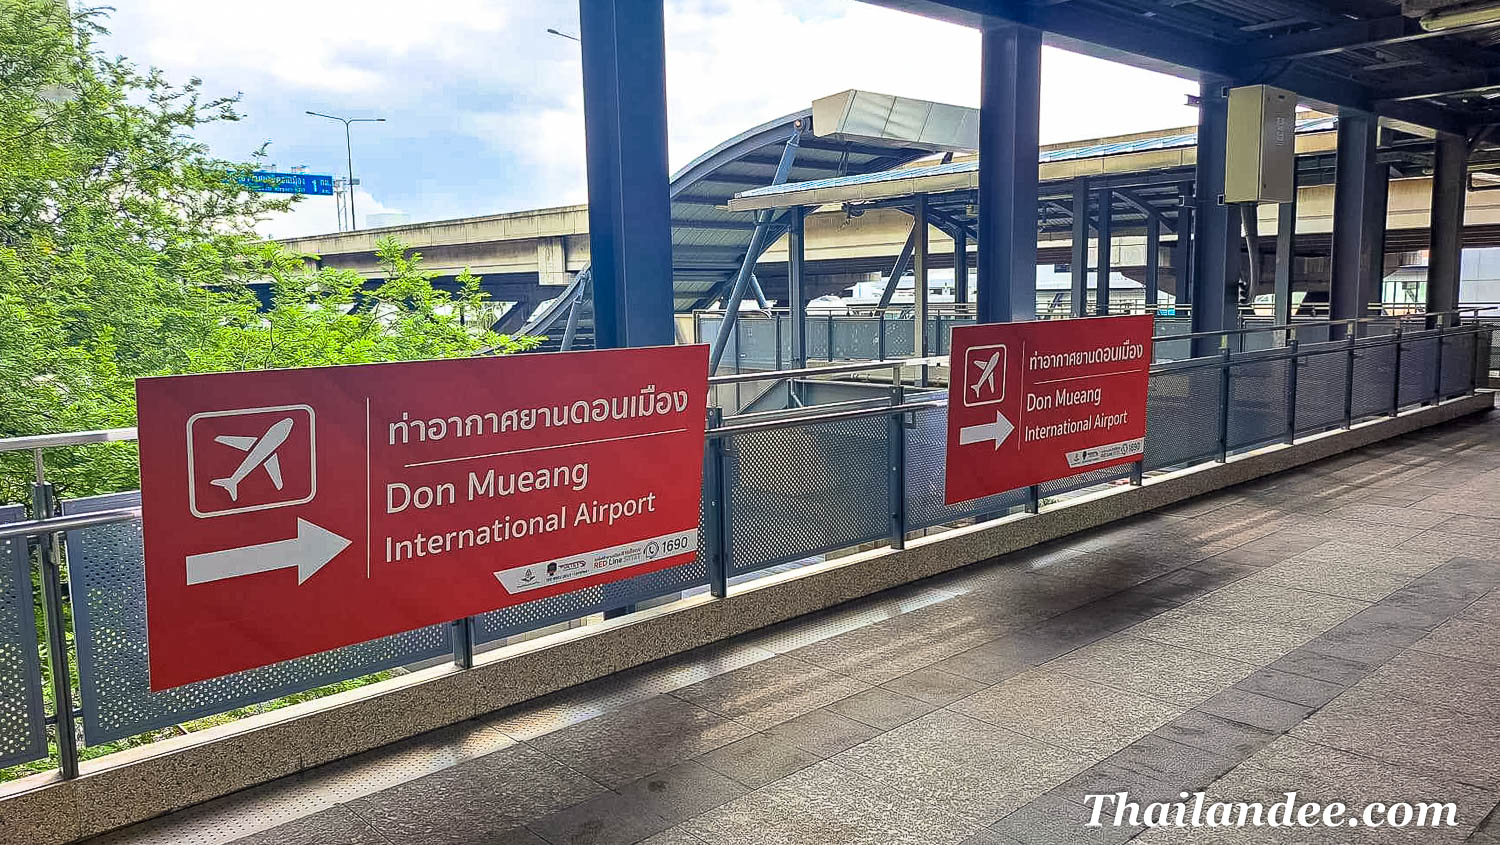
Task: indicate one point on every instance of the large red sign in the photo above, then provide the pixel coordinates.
(1033, 402)
(289, 512)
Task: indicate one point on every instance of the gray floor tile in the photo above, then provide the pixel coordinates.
(1068, 712)
(336, 826)
(1223, 635)
(822, 732)
(609, 819)
(632, 742)
(476, 802)
(974, 770)
(1011, 655)
(887, 650)
(1421, 736)
(1177, 675)
(1323, 667)
(881, 708)
(827, 804)
(1157, 759)
(1464, 638)
(682, 791)
(1233, 740)
(673, 836)
(1052, 821)
(758, 759)
(769, 692)
(1259, 711)
(933, 686)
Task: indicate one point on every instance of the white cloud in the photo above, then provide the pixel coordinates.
(318, 216)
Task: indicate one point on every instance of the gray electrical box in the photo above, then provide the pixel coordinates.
(1260, 155)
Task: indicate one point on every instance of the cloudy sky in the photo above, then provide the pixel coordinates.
(484, 109)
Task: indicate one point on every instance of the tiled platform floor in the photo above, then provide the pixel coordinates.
(1333, 630)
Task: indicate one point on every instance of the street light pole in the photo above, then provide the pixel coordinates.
(349, 155)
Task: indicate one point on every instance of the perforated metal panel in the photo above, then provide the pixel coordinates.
(1320, 389)
(856, 338)
(1374, 380)
(1257, 402)
(900, 338)
(757, 342)
(1418, 370)
(800, 492)
(1458, 364)
(1108, 475)
(531, 615)
(107, 579)
(1182, 416)
(818, 329)
(926, 474)
(23, 726)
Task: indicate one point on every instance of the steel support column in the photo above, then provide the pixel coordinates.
(1182, 252)
(1104, 264)
(1449, 175)
(1286, 232)
(1009, 100)
(1357, 231)
(903, 261)
(1078, 305)
(796, 296)
(1153, 258)
(919, 266)
(625, 134)
(1216, 252)
(961, 266)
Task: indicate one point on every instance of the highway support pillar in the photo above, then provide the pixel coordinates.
(1078, 300)
(1358, 219)
(1448, 178)
(1216, 253)
(1105, 262)
(795, 293)
(625, 135)
(1286, 234)
(1009, 104)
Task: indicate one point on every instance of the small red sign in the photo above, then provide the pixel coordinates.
(289, 512)
(1034, 402)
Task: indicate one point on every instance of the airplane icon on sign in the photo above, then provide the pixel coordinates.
(262, 453)
(986, 373)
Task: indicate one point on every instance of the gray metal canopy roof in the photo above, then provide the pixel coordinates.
(1412, 62)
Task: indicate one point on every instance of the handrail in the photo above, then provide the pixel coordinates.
(28, 442)
(796, 422)
(831, 370)
(70, 522)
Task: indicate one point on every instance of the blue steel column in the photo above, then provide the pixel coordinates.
(961, 266)
(796, 296)
(1448, 177)
(1078, 304)
(1104, 265)
(1153, 258)
(1357, 233)
(919, 265)
(1182, 252)
(1009, 102)
(1216, 251)
(625, 134)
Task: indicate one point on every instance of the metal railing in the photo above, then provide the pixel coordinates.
(779, 487)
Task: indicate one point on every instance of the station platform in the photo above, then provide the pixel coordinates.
(1332, 630)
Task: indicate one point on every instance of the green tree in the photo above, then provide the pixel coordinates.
(128, 250)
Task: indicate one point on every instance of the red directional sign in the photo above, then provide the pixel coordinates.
(1033, 402)
(289, 512)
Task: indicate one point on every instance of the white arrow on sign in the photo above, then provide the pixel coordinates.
(313, 547)
(998, 431)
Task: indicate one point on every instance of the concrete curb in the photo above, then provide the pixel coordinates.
(146, 782)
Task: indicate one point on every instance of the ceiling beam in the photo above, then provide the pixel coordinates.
(1449, 85)
(1354, 35)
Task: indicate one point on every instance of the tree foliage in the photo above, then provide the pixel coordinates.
(128, 250)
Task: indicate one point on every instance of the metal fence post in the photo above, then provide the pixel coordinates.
(1034, 499)
(895, 438)
(830, 335)
(1224, 367)
(43, 503)
(776, 318)
(1437, 375)
(1137, 473)
(463, 642)
(880, 338)
(1349, 381)
(1291, 393)
(716, 510)
(1396, 377)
